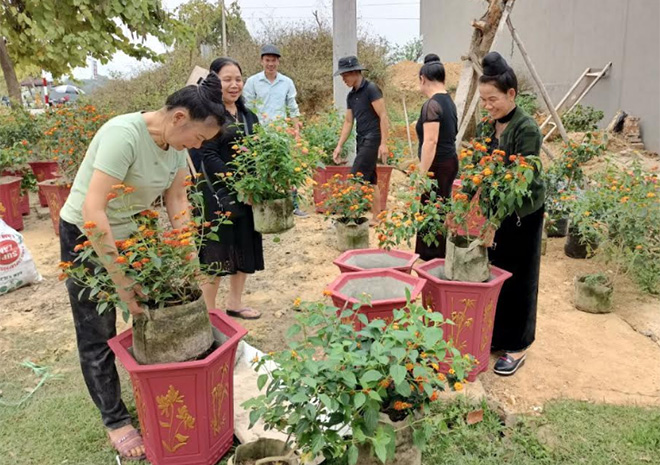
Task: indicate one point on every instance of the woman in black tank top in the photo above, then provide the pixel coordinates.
(436, 130)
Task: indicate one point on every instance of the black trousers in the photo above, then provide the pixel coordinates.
(517, 249)
(97, 361)
(444, 171)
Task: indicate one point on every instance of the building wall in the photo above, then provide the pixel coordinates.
(563, 38)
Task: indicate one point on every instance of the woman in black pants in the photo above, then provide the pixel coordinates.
(517, 245)
(436, 130)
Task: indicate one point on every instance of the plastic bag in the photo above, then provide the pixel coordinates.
(17, 268)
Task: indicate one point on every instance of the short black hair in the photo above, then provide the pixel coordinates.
(433, 70)
(498, 73)
(202, 101)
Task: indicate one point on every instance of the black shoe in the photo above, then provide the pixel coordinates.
(300, 213)
(506, 365)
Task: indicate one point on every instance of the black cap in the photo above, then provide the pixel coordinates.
(347, 64)
(270, 49)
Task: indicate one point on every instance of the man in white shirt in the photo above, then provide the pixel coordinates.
(272, 95)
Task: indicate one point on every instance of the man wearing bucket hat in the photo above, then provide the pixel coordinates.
(365, 105)
(272, 95)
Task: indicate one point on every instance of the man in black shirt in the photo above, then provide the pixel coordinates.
(365, 105)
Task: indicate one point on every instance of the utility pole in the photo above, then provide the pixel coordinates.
(224, 28)
(344, 42)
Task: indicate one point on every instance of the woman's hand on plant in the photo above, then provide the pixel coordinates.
(336, 155)
(383, 152)
(128, 297)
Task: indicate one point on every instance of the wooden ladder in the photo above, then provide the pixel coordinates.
(575, 94)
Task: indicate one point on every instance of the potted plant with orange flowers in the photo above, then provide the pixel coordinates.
(269, 163)
(348, 201)
(358, 397)
(69, 133)
(180, 357)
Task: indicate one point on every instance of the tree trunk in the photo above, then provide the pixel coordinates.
(13, 86)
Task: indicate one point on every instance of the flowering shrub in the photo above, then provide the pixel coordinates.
(421, 212)
(493, 184)
(17, 125)
(627, 203)
(269, 163)
(348, 199)
(322, 133)
(69, 131)
(14, 160)
(335, 378)
(161, 262)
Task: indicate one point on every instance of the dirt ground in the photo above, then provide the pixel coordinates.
(576, 355)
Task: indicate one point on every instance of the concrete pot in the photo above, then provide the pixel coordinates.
(273, 216)
(264, 451)
(352, 235)
(593, 297)
(371, 259)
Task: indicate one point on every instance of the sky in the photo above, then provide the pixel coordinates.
(395, 20)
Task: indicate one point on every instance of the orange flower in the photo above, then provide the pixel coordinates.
(434, 396)
(476, 180)
(458, 386)
(111, 195)
(129, 190)
(118, 186)
(409, 366)
(327, 292)
(137, 265)
(512, 158)
(89, 225)
(78, 248)
(121, 260)
(65, 265)
(87, 244)
(398, 405)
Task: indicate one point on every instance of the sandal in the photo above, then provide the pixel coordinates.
(124, 445)
(241, 313)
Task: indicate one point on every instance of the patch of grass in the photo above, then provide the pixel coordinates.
(568, 433)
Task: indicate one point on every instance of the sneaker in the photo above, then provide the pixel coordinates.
(506, 365)
(300, 213)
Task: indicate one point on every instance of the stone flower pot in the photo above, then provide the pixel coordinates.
(352, 235)
(593, 295)
(186, 409)
(370, 259)
(273, 216)
(265, 450)
(44, 170)
(386, 290)
(470, 306)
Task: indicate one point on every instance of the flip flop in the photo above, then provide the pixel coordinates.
(240, 313)
(124, 445)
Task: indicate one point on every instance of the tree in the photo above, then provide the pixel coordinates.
(411, 50)
(58, 35)
(205, 19)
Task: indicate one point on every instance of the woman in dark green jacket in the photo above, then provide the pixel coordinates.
(517, 246)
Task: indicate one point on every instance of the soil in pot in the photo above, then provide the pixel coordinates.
(273, 216)
(352, 235)
(466, 260)
(376, 260)
(378, 288)
(172, 334)
(577, 247)
(593, 293)
(557, 227)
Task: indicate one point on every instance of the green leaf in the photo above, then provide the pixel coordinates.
(381, 450)
(293, 330)
(349, 378)
(419, 437)
(325, 399)
(359, 400)
(369, 377)
(261, 381)
(399, 353)
(432, 336)
(311, 382)
(371, 417)
(398, 373)
(299, 398)
(254, 417)
(403, 389)
(352, 454)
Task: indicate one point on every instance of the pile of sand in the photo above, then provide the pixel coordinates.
(405, 75)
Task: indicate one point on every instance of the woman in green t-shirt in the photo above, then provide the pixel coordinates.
(146, 151)
(518, 240)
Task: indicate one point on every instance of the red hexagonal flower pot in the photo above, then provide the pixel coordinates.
(10, 201)
(44, 170)
(471, 306)
(386, 288)
(186, 409)
(56, 196)
(372, 259)
(322, 175)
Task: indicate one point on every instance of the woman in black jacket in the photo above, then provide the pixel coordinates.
(239, 250)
